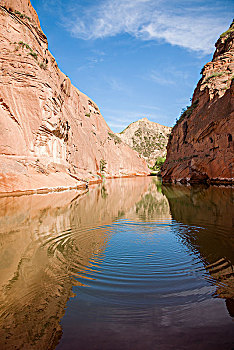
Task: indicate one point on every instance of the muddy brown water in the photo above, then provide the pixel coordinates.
(131, 264)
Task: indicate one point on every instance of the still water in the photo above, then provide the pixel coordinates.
(130, 264)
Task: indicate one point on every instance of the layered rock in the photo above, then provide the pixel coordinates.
(201, 147)
(148, 138)
(52, 135)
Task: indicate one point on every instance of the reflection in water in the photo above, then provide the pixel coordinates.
(128, 275)
(210, 208)
(46, 241)
(153, 205)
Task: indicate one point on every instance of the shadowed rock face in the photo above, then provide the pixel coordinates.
(201, 145)
(149, 139)
(51, 133)
(211, 211)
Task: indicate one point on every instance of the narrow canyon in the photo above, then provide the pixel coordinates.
(201, 146)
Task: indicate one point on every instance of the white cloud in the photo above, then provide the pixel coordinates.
(177, 23)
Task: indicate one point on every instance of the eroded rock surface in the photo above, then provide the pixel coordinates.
(148, 138)
(201, 146)
(52, 135)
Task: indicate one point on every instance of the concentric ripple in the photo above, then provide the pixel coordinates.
(117, 271)
(130, 262)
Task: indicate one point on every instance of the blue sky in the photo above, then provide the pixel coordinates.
(134, 58)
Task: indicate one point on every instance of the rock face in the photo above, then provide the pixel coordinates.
(51, 133)
(149, 139)
(200, 148)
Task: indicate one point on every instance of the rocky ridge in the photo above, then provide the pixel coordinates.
(200, 148)
(52, 135)
(148, 138)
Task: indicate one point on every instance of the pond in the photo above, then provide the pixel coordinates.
(128, 264)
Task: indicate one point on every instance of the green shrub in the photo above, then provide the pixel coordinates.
(102, 165)
(22, 15)
(158, 164)
(25, 45)
(217, 74)
(43, 65)
(186, 112)
(87, 115)
(33, 54)
(229, 31)
(21, 43)
(115, 137)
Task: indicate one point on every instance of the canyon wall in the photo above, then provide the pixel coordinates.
(52, 135)
(201, 147)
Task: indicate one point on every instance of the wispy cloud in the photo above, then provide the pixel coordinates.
(116, 84)
(161, 79)
(147, 107)
(169, 76)
(183, 23)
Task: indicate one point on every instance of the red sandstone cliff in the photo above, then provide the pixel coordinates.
(51, 133)
(201, 147)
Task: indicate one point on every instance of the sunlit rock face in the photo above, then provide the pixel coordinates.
(148, 138)
(52, 135)
(201, 146)
(211, 209)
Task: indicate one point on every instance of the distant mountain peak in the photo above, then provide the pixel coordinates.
(143, 120)
(148, 138)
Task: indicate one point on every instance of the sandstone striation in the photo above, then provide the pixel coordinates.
(200, 148)
(52, 135)
(148, 138)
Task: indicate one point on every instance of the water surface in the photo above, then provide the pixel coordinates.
(131, 264)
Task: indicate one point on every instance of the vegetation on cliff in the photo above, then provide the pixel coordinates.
(200, 148)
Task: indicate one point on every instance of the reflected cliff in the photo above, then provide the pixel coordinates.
(112, 260)
(48, 242)
(153, 205)
(210, 210)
